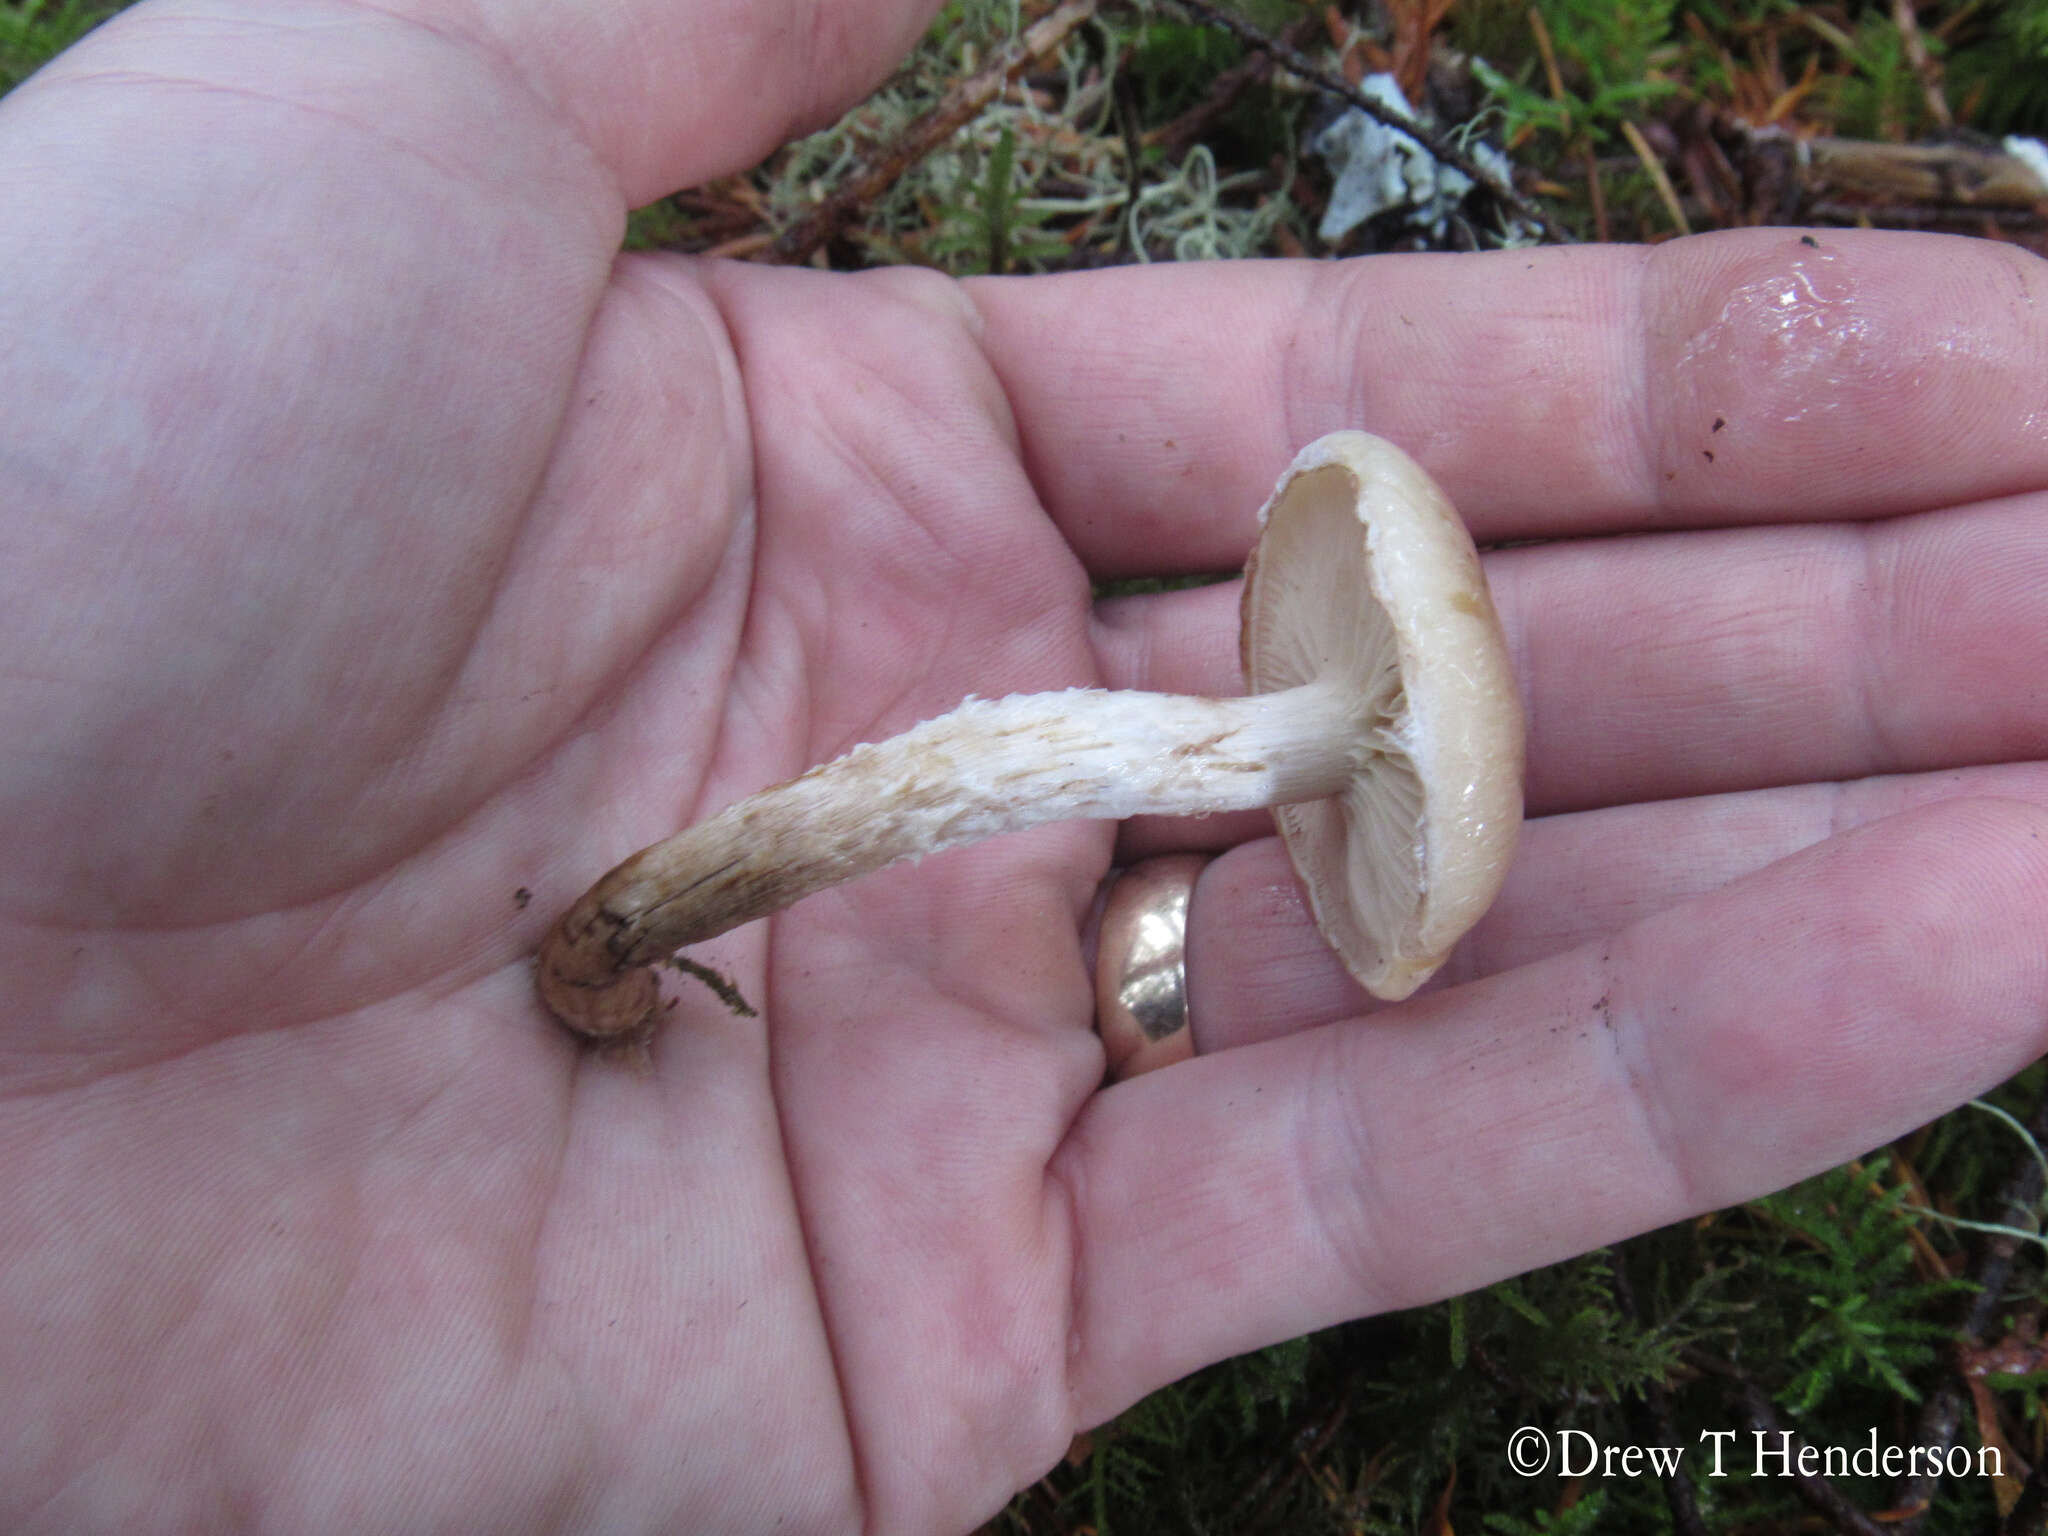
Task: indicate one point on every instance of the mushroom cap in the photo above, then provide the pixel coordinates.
(1366, 577)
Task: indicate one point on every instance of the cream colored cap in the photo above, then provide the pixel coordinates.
(1365, 576)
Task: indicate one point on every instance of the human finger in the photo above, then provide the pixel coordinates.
(1258, 969)
(1725, 1047)
(669, 95)
(1757, 375)
(1677, 665)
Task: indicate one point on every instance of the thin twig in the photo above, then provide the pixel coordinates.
(1300, 64)
(1820, 1495)
(953, 111)
(1554, 77)
(1547, 51)
(1653, 1423)
(1308, 1442)
(1598, 197)
(1175, 138)
(1929, 72)
(1659, 179)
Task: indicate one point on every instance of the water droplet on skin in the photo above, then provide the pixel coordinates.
(1797, 325)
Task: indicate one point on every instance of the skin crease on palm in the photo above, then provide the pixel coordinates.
(376, 544)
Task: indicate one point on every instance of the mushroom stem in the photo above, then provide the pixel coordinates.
(989, 766)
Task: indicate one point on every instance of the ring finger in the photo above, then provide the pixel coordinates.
(1256, 968)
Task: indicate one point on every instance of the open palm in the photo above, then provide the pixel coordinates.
(383, 559)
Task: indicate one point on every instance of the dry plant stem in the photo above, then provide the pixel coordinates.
(988, 767)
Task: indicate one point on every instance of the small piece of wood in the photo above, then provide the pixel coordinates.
(1956, 175)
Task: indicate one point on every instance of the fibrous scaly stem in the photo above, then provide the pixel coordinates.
(990, 766)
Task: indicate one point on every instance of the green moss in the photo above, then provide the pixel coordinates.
(1823, 1298)
(32, 32)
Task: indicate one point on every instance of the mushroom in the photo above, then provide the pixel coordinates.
(1381, 722)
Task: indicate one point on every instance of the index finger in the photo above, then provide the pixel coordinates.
(1756, 376)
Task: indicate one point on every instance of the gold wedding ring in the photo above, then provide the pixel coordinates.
(1141, 974)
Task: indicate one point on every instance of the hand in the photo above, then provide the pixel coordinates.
(380, 552)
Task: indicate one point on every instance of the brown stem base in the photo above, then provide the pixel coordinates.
(595, 990)
(584, 984)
